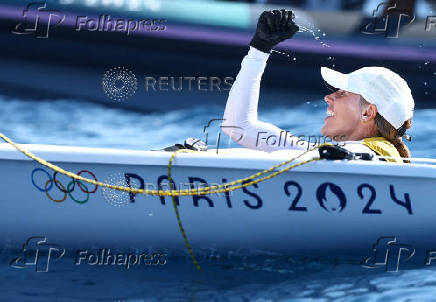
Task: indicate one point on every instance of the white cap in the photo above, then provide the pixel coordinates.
(379, 86)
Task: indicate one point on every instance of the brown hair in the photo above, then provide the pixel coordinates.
(388, 131)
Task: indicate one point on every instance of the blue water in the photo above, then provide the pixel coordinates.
(67, 122)
(259, 279)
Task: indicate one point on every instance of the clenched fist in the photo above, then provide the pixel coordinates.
(273, 27)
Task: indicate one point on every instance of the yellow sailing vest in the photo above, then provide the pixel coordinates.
(383, 147)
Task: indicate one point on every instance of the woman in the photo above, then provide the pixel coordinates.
(369, 111)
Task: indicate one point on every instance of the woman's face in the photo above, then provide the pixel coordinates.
(343, 114)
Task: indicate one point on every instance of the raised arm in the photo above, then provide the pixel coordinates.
(240, 116)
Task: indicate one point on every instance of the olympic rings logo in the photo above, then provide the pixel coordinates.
(68, 190)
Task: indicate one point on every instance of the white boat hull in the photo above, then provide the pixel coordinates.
(321, 208)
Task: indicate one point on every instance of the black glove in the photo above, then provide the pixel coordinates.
(273, 27)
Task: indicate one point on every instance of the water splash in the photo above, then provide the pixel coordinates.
(424, 67)
(310, 28)
(331, 61)
(284, 54)
(315, 35)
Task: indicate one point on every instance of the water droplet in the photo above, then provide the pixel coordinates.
(426, 93)
(426, 62)
(323, 34)
(308, 102)
(425, 83)
(294, 59)
(316, 38)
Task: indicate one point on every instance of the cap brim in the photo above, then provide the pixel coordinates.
(330, 87)
(334, 78)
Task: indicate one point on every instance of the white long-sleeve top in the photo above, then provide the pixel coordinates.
(240, 120)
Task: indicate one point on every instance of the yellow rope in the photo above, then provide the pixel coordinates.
(231, 186)
(176, 210)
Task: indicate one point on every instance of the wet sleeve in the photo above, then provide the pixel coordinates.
(240, 121)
